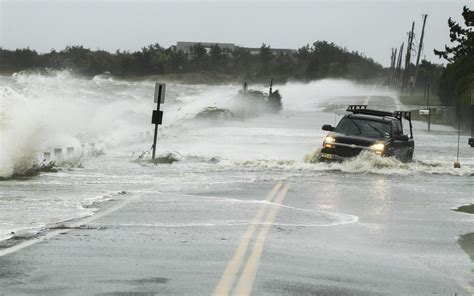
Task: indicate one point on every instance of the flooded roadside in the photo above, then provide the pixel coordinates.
(466, 241)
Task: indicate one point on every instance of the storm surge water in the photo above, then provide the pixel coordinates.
(41, 112)
(213, 136)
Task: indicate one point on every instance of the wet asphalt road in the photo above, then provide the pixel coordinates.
(392, 235)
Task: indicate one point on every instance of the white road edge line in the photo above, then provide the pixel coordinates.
(54, 233)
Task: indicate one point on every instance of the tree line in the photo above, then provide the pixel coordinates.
(318, 60)
(457, 80)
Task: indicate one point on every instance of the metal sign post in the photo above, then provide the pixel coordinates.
(243, 100)
(457, 164)
(157, 116)
(428, 106)
(471, 139)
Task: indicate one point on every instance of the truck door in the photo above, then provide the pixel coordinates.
(400, 147)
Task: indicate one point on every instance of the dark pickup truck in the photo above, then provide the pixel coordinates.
(378, 131)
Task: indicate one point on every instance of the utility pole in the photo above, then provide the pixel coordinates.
(398, 70)
(406, 73)
(394, 64)
(420, 47)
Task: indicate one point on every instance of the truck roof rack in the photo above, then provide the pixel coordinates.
(362, 109)
(403, 114)
(356, 107)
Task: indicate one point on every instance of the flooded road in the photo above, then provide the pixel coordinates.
(366, 226)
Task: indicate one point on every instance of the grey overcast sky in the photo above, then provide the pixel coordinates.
(370, 27)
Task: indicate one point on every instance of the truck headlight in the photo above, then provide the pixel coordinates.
(329, 141)
(378, 148)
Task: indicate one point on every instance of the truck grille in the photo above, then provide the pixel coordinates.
(357, 142)
(347, 151)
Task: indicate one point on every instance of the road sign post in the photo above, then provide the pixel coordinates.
(428, 106)
(471, 139)
(157, 115)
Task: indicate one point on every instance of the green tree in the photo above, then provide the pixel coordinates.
(463, 38)
(266, 57)
(217, 58)
(457, 79)
(321, 59)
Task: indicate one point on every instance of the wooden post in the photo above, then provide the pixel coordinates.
(429, 107)
(420, 47)
(70, 151)
(406, 73)
(399, 64)
(58, 154)
(392, 64)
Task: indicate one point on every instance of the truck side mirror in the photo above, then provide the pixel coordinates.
(328, 127)
(403, 138)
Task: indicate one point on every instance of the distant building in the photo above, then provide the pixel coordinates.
(186, 47)
(256, 50)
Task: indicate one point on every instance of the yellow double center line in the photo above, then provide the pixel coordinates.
(244, 286)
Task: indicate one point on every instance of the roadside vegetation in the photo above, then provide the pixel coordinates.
(420, 100)
(457, 80)
(319, 60)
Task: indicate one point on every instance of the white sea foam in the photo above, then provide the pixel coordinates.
(366, 162)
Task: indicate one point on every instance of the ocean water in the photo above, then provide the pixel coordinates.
(108, 123)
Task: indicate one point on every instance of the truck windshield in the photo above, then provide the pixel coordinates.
(364, 127)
